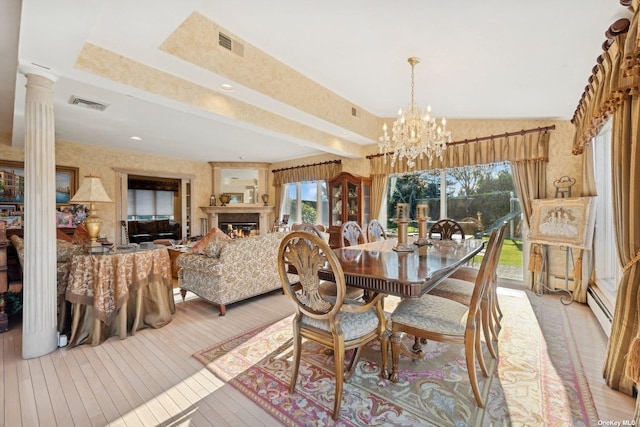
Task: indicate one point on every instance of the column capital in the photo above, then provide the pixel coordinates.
(28, 69)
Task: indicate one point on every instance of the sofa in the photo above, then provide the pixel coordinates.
(148, 231)
(229, 271)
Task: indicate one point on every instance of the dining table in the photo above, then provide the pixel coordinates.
(379, 268)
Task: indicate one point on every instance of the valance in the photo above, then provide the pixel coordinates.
(511, 146)
(312, 172)
(615, 76)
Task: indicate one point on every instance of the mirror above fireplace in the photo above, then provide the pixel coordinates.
(245, 182)
(241, 184)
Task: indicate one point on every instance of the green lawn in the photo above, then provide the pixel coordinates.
(511, 253)
(511, 250)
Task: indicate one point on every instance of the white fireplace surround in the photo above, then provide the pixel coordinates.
(266, 214)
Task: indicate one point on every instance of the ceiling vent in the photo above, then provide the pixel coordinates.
(230, 44)
(85, 103)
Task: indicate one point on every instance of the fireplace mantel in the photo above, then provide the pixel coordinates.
(265, 212)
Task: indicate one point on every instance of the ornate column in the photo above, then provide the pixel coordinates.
(39, 315)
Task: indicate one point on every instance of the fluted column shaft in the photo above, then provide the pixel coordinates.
(39, 316)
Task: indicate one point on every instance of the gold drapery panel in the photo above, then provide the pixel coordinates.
(616, 74)
(530, 179)
(378, 188)
(511, 148)
(625, 158)
(614, 90)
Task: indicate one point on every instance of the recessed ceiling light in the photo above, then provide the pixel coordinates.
(136, 138)
(226, 87)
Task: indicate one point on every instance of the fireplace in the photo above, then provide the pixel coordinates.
(253, 218)
(239, 224)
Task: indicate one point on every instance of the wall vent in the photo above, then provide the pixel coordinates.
(230, 44)
(355, 112)
(85, 103)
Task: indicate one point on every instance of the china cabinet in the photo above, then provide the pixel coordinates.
(349, 200)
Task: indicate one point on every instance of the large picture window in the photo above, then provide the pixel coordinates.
(306, 202)
(480, 198)
(607, 267)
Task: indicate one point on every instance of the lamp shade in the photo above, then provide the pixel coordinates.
(91, 190)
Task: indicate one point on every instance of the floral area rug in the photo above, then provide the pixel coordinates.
(527, 387)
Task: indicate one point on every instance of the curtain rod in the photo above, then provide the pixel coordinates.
(485, 138)
(306, 166)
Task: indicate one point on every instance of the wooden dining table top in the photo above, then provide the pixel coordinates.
(375, 266)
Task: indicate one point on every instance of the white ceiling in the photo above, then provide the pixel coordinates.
(479, 59)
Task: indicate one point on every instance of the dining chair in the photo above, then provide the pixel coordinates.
(327, 288)
(305, 226)
(351, 234)
(441, 319)
(375, 231)
(335, 323)
(459, 287)
(446, 228)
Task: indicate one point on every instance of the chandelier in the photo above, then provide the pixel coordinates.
(414, 133)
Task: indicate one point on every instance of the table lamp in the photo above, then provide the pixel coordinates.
(91, 191)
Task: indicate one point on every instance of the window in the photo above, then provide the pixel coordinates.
(607, 267)
(149, 204)
(306, 202)
(479, 197)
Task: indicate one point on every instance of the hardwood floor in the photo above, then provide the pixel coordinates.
(151, 379)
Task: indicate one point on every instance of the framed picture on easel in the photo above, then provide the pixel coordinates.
(563, 222)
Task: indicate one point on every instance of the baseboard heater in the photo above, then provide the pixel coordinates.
(600, 310)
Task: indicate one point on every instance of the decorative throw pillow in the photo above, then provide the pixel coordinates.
(214, 234)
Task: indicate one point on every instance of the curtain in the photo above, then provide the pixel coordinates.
(625, 158)
(530, 180)
(613, 90)
(512, 148)
(378, 188)
(313, 172)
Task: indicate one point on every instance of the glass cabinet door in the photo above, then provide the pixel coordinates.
(366, 204)
(336, 205)
(353, 206)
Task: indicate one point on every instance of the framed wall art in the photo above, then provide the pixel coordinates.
(12, 182)
(563, 222)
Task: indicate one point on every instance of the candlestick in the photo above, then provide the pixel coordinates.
(402, 210)
(422, 211)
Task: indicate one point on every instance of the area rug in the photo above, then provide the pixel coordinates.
(536, 380)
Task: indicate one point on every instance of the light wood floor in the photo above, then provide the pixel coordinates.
(151, 379)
